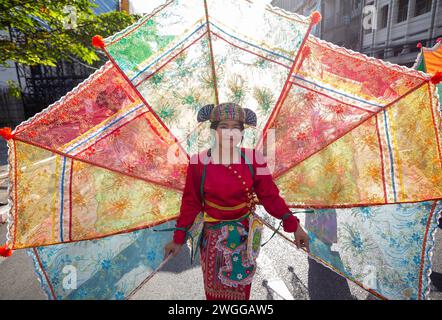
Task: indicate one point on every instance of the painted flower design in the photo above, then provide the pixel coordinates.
(105, 264)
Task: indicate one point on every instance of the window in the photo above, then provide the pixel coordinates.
(402, 10)
(383, 17)
(397, 51)
(345, 7)
(422, 6)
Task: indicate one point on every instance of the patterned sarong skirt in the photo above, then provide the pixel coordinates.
(227, 271)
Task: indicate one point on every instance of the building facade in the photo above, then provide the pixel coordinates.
(397, 26)
(341, 19)
(385, 29)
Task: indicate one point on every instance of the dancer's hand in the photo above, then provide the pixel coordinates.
(301, 238)
(172, 248)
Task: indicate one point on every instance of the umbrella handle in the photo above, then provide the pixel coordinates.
(130, 295)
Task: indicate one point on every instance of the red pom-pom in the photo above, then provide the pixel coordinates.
(5, 252)
(419, 45)
(6, 133)
(437, 78)
(315, 17)
(306, 51)
(97, 41)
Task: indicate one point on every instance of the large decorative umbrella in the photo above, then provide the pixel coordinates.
(352, 137)
(429, 60)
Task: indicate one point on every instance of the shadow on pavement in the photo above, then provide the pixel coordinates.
(324, 284)
(181, 262)
(436, 281)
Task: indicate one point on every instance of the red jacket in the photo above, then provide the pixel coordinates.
(228, 186)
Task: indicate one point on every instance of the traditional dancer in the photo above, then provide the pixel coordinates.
(222, 187)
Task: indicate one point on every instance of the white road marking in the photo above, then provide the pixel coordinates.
(266, 269)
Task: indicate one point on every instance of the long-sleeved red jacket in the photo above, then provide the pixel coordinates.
(228, 186)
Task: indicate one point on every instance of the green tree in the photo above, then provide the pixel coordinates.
(46, 34)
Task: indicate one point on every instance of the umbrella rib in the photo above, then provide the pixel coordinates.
(436, 129)
(144, 101)
(146, 226)
(60, 153)
(286, 87)
(249, 51)
(169, 60)
(140, 23)
(51, 288)
(424, 245)
(212, 59)
(355, 205)
(381, 155)
(150, 276)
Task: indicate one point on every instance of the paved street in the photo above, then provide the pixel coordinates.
(279, 275)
